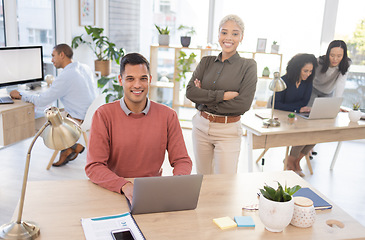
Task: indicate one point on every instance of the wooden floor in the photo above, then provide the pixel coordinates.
(344, 185)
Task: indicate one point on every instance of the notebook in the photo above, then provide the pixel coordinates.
(323, 107)
(164, 194)
(318, 202)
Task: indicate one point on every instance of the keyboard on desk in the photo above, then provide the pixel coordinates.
(6, 100)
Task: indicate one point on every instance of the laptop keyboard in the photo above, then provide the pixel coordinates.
(5, 100)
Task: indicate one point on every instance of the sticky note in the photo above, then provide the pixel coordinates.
(244, 221)
(224, 222)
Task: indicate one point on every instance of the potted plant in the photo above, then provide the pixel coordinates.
(111, 87)
(274, 47)
(163, 37)
(104, 50)
(291, 118)
(184, 65)
(266, 72)
(355, 113)
(276, 207)
(186, 38)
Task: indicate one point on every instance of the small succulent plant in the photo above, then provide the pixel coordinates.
(356, 106)
(163, 31)
(280, 194)
(291, 115)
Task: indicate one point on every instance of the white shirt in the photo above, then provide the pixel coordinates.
(75, 87)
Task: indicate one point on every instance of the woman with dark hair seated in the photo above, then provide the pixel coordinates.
(298, 78)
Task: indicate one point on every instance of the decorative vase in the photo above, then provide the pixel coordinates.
(275, 48)
(163, 39)
(104, 67)
(275, 215)
(304, 212)
(185, 41)
(354, 115)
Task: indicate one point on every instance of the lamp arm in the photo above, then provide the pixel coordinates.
(273, 104)
(26, 171)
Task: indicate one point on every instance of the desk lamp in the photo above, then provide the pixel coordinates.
(276, 85)
(58, 133)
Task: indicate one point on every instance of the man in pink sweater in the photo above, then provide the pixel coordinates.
(129, 138)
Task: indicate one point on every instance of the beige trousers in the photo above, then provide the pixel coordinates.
(216, 145)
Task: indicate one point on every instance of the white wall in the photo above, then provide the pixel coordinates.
(67, 25)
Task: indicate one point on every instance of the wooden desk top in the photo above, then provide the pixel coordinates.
(254, 123)
(58, 206)
(16, 104)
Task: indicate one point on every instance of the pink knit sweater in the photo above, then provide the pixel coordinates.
(122, 146)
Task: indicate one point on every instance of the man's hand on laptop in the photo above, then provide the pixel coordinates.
(127, 189)
(305, 109)
(15, 95)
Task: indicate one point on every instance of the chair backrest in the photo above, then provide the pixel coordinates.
(98, 101)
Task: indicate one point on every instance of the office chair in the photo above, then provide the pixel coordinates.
(86, 125)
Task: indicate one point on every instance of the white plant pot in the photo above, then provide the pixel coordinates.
(163, 40)
(354, 115)
(275, 215)
(275, 48)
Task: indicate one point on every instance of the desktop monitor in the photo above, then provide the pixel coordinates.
(21, 65)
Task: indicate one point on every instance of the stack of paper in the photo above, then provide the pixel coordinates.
(101, 228)
(244, 221)
(224, 222)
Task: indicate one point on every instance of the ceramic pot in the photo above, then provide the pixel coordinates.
(275, 48)
(163, 39)
(275, 215)
(185, 41)
(304, 213)
(104, 67)
(354, 115)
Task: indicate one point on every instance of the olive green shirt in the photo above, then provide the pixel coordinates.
(234, 74)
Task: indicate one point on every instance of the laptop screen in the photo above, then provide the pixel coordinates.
(163, 194)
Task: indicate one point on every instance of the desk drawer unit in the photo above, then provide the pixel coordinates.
(17, 124)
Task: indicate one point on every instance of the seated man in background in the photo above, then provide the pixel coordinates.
(76, 89)
(129, 137)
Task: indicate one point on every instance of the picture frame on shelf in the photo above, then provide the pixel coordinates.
(86, 12)
(261, 45)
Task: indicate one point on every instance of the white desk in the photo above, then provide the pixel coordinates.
(302, 132)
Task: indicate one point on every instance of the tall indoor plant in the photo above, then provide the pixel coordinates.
(104, 50)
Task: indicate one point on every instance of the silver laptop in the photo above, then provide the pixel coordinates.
(323, 107)
(164, 194)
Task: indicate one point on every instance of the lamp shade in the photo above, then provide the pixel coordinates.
(62, 132)
(277, 84)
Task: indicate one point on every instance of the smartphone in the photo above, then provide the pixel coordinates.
(122, 234)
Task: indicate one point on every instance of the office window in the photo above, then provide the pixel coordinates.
(36, 24)
(2, 25)
(124, 24)
(173, 13)
(350, 27)
(295, 25)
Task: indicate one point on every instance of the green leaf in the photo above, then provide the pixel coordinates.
(265, 194)
(293, 190)
(103, 81)
(270, 191)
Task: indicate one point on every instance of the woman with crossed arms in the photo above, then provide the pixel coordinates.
(222, 87)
